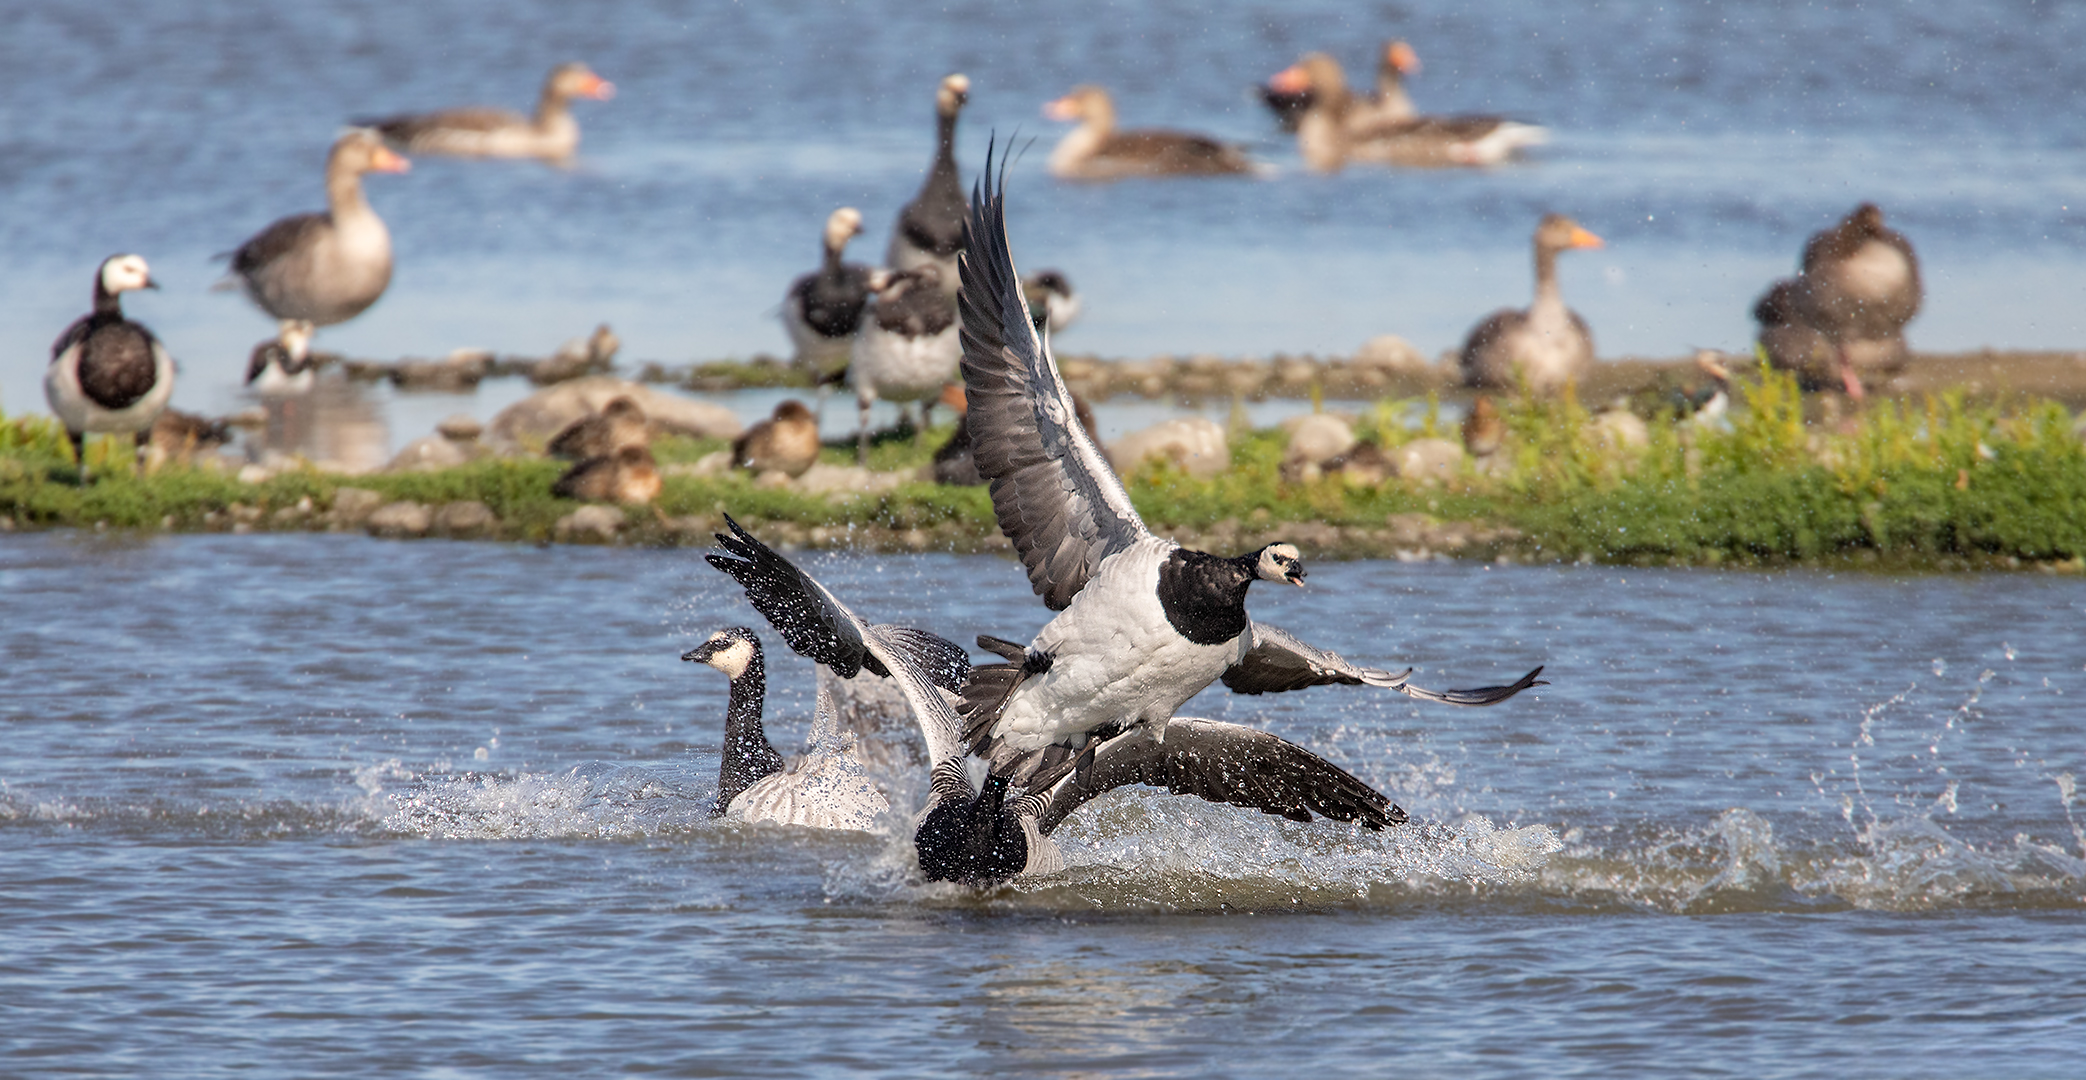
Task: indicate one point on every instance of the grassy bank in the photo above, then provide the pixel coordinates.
(1934, 482)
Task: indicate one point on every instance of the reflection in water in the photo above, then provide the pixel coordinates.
(336, 426)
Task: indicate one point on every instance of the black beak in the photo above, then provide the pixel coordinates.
(701, 653)
(151, 284)
(1296, 577)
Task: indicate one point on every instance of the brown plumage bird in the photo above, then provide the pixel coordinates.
(551, 134)
(627, 476)
(1846, 312)
(1483, 429)
(786, 442)
(1095, 150)
(1546, 343)
(620, 423)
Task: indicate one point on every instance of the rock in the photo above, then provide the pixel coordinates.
(532, 421)
(1317, 438)
(1619, 429)
(404, 518)
(1389, 352)
(1195, 442)
(1409, 530)
(590, 523)
(353, 505)
(467, 517)
(461, 370)
(1428, 460)
(824, 479)
(427, 454)
(460, 428)
(255, 474)
(714, 463)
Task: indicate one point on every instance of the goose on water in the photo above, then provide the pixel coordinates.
(1846, 312)
(1337, 128)
(907, 349)
(109, 375)
(1095, 150)
(824, 789)
(1144, 624)
(552, 134)
(823, 309)
(1545, 344)
(982, 828)
(930, 228)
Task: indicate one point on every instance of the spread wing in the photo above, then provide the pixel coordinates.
(821, 628)
(1055, 495)
(1219, 762)
(1278, 662)
(274, 241)
(470, 118)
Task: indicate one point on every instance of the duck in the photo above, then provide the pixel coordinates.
(1337, 129)
(551, 135)
(1846, 312)
(929, 231)
(823, 789)
(1483, 429)
(620, 423)
(981, 826)
(786, 442)
(907, 349)
(1050, 294)
(109, 375)
(282, 366)
(327, 268)
(1546, 344)
(1143, 623)
(1095, 150)
(629, 475)
(823, 309)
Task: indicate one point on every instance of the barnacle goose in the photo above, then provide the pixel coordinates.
(824, 789)
(930, 228)
(823, 309)
(109, 374)
(283, 365)
(976, 829)
(1145, 623)
(907, 350)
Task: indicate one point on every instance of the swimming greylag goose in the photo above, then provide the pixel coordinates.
(975, 830)
(823, 309)
(907, 348)
(930, 228)
(786, 442)
(1095, 150)
(1144, 624)
(1546, 343)
(1337, 129)
(552, 134)
(322, 269)
(283, 365)
(1846, 312)
(1391, 101)
(109, 375)
(629, 475)
(823, 789)
(620, 423)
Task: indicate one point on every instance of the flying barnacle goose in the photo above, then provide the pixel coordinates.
(825, 789)
(1144, 624)
(930, 228)
(975, 829)
(823, 309)
(109, 374)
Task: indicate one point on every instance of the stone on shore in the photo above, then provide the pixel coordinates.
(1429, 461)
(352, 506)
(1619, 429)
(531, 422)
(596, 522)
(403, 518)
(467, 517)
(1389, 352)
(1196, 443)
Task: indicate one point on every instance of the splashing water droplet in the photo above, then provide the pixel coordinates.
(2007, 648)
(1940, 667)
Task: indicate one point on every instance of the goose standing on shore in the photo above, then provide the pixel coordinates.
(1144, 624)
(1547, 344)
(552, 134)
(823, 309)
(930, 228)
(322, 269)
(1846, 312)
(974, 829)
(824, 789)
(1095, 150)
(282, 366)
(109, 375)
(786, 442)
(907, 349)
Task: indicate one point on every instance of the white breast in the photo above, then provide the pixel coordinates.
(1876, 271)
(825, 790)
(898, 368)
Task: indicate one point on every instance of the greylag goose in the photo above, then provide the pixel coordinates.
(823, 309)
(930, 228)
(786, 442)
(1391, 101)
(1144, 624)
(975, 830)
(907, 348)
(1095, 150)
(322, 269)
(1337, 129)
(282, 365)
(1846, 312)
(620, 423)
(109, 375)
(1547, 344)
(824, 789)
(629, 475)
(1050, 292)
(552, 134)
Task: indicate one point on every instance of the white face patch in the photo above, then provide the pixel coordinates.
(124, 273)
(1279, 561)
(733, 658)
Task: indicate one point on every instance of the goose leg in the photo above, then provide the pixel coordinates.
(864, 398)
(79, 451)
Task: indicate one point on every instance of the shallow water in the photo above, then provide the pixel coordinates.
(327, 803)
(1704, 141)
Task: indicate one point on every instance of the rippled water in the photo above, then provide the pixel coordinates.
(1703, 140)
(302, 804)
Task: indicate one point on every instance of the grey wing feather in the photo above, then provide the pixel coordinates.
(1219, 762)
(944, 662)
(1053, 491)
(1278, 662)
(276, 240)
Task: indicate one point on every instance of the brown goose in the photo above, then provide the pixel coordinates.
(1846, 313)
(1337, 128)
(1547, 343)
(325, 268)
(1095, 150)
(930, 228)
(786, 442)
(1391, 101)
(109, 374)
(552, 134)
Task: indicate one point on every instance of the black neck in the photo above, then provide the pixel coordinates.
(945, 141)
(1204, 595)
(106, 302)
(974, 841)
(748, 755)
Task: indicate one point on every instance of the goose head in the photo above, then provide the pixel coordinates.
(361, 150)
(578, 81)
(1086, 102)
(1557, 232)
(952, 95)
(122, 273)
(1316, 73)
(844, 225)
(1400, 59)
(731, 650)
(1281, 562)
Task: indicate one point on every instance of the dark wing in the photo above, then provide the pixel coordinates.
(1055, 495)
(274, 241)
(404, 129)
(943, 661)
(1177, 151)
(1278, 662)
(1219, 762)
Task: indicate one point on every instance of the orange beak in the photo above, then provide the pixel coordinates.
(953, 396)
(1290, 80)
(1063, 109)
(1403, 58)
(388, 160)
(1583, 239)
(600, 89)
